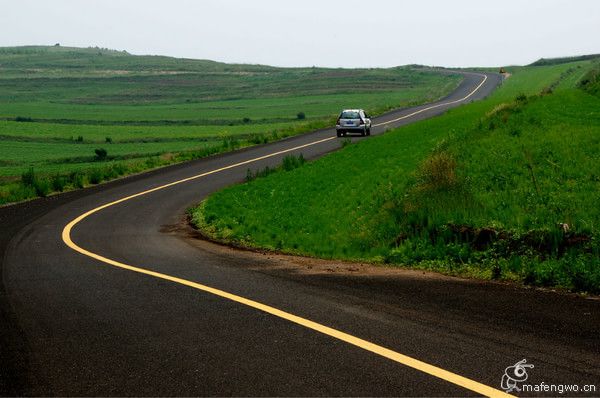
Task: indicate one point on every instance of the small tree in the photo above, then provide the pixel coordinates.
(101, 154)
(28, 178)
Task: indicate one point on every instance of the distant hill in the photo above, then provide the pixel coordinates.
(99, 76)
(563, 60)
(75, 59)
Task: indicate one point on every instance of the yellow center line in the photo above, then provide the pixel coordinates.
(348, 338)
(437, 105)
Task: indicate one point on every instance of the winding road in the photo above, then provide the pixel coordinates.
(104, 292)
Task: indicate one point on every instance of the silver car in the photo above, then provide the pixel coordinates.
(353, 121)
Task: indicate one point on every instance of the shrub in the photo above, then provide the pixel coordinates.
(109, 173)
(521, 98)
(58, 183)
(291, 162)
(42, 187)
(31, 180)
(79, 138)
(256, 139)
(151, 163)
(583, 274)
(438, 172)
(108, 140)
(246, 120)
(230, 143)
(15, 193)
(28, 178)
(77, 179)
(119, 169)
(301, 116)
(101, 154)
(96, 176)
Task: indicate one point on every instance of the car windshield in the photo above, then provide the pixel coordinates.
(350, 115)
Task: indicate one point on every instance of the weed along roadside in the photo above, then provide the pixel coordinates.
(504, 189)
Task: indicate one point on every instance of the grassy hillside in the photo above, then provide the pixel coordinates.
(564, 60)
(58, 105)
(506, 188)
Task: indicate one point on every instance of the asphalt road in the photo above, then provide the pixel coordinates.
(74, 325)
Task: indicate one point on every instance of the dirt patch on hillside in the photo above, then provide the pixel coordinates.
(262, 259)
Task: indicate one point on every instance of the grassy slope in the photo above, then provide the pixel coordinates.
(57, 105)
(454, 193)
(564, 60)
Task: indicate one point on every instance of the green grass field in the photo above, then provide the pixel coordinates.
(59, 104)
(506, 188)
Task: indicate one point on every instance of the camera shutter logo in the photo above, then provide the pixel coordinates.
(513, 375)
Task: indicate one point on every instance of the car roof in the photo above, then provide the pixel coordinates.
(351, 110)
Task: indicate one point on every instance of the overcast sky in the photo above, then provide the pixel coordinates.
(334, 33)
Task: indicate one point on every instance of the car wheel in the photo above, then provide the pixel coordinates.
(339, 133)
(363, 133)
(368, 131)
